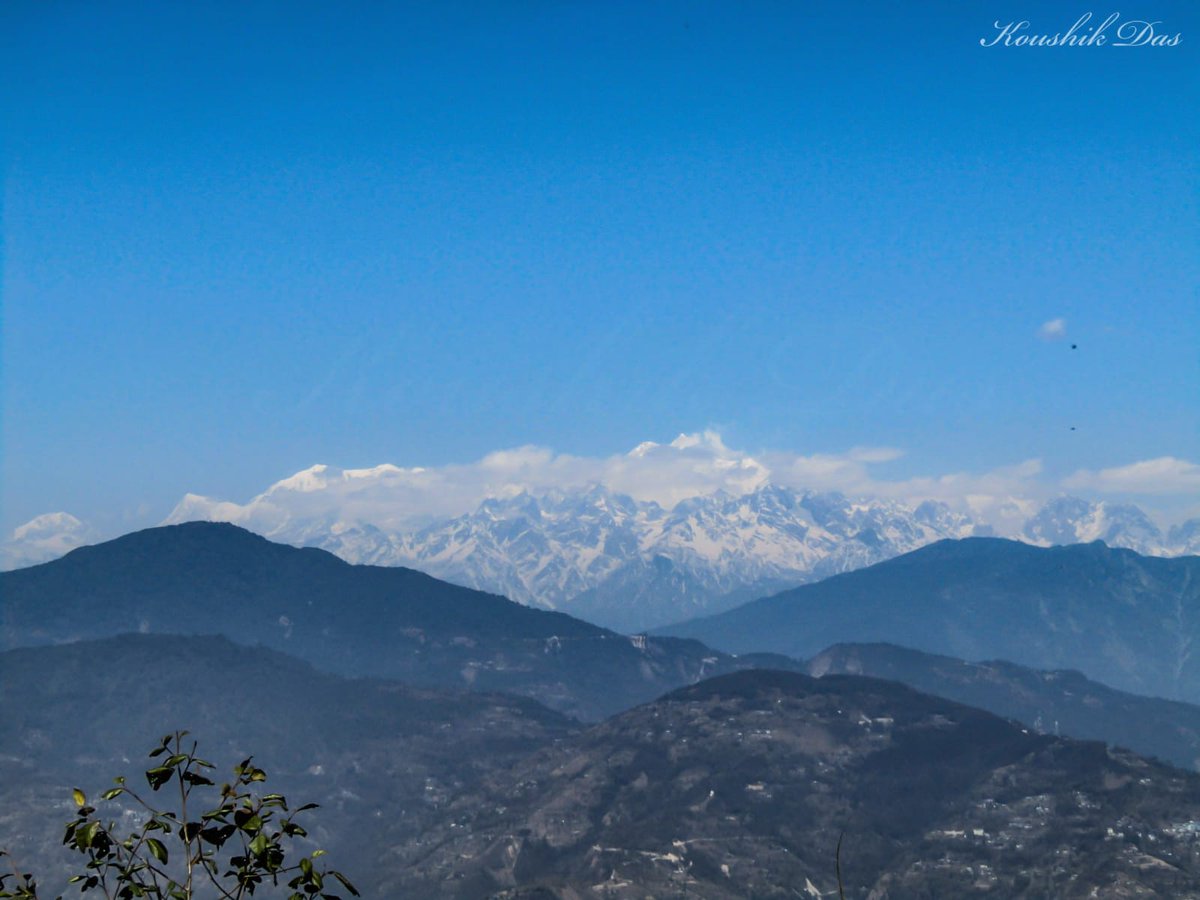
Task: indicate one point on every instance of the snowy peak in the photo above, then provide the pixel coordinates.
(601, 554)
(633, 565)
(1069, 520)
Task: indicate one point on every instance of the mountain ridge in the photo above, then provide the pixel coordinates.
(1062, 701)
(1123, 619)
(627, 564)
(740, 786)
(201, 578)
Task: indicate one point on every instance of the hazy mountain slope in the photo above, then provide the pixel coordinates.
(204, 578)
(381, 758)
(1120, 618)
(1054, 702)
(740, 786)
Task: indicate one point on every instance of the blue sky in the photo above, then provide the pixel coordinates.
(239, 239)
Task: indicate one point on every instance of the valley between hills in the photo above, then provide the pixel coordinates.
(978, 717)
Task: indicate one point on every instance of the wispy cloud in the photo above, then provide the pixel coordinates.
(696, 464)
(395, 498)
(1054, 330)
(1163, 475)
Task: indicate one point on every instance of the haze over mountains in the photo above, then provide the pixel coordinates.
(734, 785)
(631, 565)
(1049, 701)
(621, 562)
(214, 578)
(1126, 620)
(381, 758)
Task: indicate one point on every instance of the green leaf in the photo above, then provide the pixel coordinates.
(79, 797)
(258, 845)
(111, 793)
(345, 883)
(157, 849)
(248, 821)
(217, 836)
(159, 776)
(84, 836)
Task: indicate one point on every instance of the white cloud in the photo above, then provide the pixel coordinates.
(875, 454)
(1163, 475)
(1054, 330)
(396, 499)
(46, 537)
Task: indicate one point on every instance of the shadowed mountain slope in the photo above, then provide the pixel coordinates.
(206, 578)
(1123, 619)
(1055, 702)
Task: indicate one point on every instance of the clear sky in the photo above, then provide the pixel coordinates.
(243, 238)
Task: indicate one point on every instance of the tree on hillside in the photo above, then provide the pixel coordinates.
(234, 843)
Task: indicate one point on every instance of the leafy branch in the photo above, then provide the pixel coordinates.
(235, 847)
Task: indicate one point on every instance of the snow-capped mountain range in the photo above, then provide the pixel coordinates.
(625, 563)
(632, 564)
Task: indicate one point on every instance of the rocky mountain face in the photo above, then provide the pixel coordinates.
(1048, 702)
(206, 578)
(631, 566)
(1122, 619)
(741, 786)
(1069, 520)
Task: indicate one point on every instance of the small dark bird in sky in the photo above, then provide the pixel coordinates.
(1074, 346)
(1072, 427)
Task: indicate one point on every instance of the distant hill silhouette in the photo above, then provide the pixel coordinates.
(1054, 702)
(1126, 620)
(209, 578)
